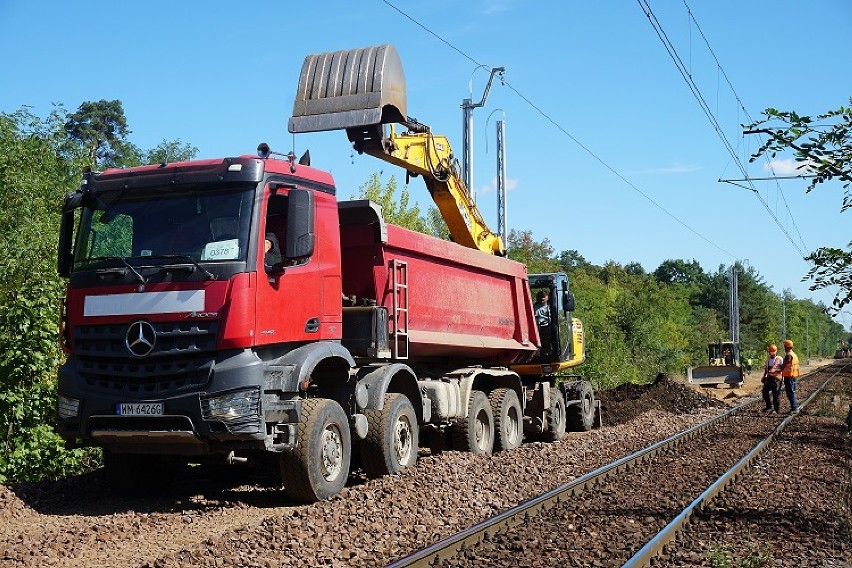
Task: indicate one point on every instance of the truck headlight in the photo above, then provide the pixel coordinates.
(232, 405)
(67, 407)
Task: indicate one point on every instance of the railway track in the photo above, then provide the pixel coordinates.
(626, 512)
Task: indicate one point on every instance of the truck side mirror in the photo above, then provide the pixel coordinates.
(300, 224)
(567, 302)
(65, 256)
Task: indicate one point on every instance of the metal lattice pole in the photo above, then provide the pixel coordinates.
(734, 306)
(501, 182)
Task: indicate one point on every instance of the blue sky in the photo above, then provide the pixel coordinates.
(608, 150)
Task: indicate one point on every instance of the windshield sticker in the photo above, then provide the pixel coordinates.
(221, 250)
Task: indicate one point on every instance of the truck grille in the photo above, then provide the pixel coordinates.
(181, 359)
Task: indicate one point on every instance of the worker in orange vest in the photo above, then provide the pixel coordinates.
(772, 380)
(790, 371)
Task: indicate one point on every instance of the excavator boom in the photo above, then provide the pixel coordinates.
(363, 92)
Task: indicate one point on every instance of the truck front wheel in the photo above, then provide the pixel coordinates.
(392, 439)
(475, 432)
(319, 465)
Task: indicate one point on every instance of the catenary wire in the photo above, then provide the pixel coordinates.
(745, 111)
(564, 131)
(696, 93)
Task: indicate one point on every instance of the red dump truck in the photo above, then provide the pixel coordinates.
(227, 311)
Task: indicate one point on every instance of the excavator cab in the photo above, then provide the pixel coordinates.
(561, 341)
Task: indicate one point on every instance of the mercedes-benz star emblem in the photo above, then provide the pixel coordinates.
(140, 338)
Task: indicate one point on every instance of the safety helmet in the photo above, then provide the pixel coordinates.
(773, 349)
(788, 343)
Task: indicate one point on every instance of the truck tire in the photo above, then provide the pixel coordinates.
(556, 418)
(475, 432)
(318, 467)
(393, 437)
(508, 419)
(138, 475)
(581, 416)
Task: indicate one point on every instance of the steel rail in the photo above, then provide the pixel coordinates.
(647, 553)
(451, 545)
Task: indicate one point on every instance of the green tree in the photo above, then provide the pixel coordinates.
(101, 127)
(40, 161)
(822, 146)
(396, 209)
(605, 362)
(537, 255)
(169, 151)
(676, 271)
(437, 227)
(38, 166)
(570, 260)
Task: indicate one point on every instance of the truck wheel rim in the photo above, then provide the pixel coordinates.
(332, 453)
(512, 427)
(558, 414)
(402, 440)
(482, 430)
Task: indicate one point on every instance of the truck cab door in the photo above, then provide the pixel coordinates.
(289, 291)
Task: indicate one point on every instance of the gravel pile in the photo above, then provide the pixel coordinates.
(627, 401)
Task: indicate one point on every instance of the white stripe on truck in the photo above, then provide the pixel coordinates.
(144, 303)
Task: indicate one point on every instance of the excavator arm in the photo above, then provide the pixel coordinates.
(362, 91)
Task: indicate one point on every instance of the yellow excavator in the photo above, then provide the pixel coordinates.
(363, 92)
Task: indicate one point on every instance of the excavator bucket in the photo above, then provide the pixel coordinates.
(349, 89)
(715, 374)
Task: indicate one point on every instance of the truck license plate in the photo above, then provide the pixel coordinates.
(139, 409)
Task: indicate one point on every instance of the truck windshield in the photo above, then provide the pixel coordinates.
(204, 225)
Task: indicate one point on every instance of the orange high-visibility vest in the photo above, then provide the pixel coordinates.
(791, 369)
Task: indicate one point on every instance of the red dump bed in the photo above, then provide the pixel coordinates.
(462, 304)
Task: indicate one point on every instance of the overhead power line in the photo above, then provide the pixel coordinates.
(696, 93)
(564, 131)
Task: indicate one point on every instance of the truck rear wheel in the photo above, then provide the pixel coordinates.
(317, 468)
(508, 419)
(581, 416)
(138, 475)
(556, 418)
(392, 439)
(475, 432)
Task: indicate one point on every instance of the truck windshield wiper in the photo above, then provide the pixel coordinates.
(209, 275)
(123, 261)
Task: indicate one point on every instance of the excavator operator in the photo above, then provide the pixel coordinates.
(542, 319)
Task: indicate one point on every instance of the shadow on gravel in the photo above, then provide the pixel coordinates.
(194, 489)
(89, 494)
